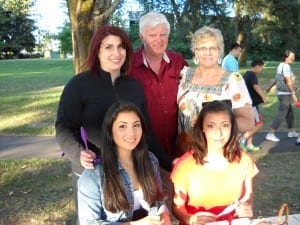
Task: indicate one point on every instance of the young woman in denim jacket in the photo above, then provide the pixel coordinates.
(125, 187)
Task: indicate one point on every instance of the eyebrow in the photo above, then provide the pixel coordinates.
(137, 121)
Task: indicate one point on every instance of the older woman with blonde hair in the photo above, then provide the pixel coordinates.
(208, 81)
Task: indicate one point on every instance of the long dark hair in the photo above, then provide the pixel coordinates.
(96, 41)
(199, 143)
(114, 194)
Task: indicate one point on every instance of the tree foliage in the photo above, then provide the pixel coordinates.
(16, 28)
(278, 29)
(65, 38)
(264, 27)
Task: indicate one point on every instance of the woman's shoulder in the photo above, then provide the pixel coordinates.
(184, 166)
(128, 80)
(80, 77)
(185, 159)
(131, 84)
(233, 77)
(186, 74)
(97, 172)
(153, 158)
(91, 180)
(245, 158)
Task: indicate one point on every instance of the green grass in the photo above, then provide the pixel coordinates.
(38, 191)
(30, 90)
(29, 93)
(278, 181)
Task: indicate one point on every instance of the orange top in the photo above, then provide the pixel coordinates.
(203, 188)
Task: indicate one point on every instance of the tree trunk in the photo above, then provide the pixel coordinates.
(241, 35)
(86, 16)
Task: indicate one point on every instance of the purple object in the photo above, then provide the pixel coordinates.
(84, 137)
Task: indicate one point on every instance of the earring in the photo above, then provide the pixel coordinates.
(219, 61)
(196, 60)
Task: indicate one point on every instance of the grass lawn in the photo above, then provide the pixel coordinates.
(29, 92)
(38, 191)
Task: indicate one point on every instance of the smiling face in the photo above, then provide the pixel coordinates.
(207, 52)
(127, 131)
(155, 39)
(217, 129)
(112, 54)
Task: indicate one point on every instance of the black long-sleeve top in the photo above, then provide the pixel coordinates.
(84, 102)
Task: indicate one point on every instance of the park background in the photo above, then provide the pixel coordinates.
(38, 191)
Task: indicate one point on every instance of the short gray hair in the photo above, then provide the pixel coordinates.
(208, 33)
(152, 19)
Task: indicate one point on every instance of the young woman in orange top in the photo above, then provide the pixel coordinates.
(214, 174)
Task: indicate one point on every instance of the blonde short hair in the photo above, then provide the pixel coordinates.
(208, 33)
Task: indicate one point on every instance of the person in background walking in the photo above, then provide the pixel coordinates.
(230, 61)
(257, 95)
(286, 94)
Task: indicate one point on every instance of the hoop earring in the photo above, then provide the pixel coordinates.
(219, 61)
(196, 60)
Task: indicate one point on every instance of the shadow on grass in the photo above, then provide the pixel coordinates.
(36, 192)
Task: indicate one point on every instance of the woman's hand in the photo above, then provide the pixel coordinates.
(201, 218)
(165, 218)
(294, 98)
(244, 209)
(87, 159)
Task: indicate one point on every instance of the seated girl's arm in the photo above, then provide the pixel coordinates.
(180, 212)
(244, 209)
(90, 209)
(163, 207)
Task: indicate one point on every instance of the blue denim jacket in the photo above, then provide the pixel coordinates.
(90, 196)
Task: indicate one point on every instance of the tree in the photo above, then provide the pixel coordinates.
(16, 28)
(86, 16)
(246, 13)
(65, 38)
(186, 16)
(279, 27)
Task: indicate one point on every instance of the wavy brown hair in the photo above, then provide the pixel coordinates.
(231, 151)
(115, 199)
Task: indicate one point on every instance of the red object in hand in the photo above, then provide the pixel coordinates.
(297, 104)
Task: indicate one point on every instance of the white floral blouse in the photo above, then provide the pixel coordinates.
(190, 97)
